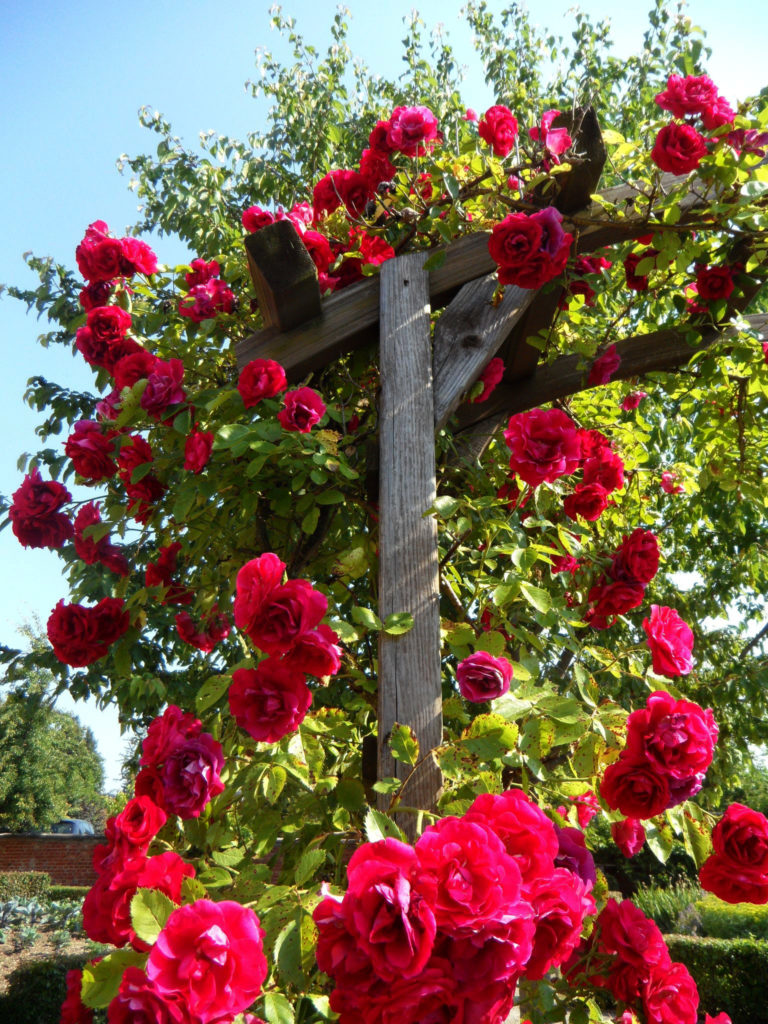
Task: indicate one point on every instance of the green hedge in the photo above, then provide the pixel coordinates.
(732, 920)
(37, 989)
(730, 974)
(24, 884)
(68, 892)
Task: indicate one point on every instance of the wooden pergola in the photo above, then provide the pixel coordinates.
(423, 380)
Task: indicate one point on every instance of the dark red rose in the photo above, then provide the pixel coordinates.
(588, 501)
(197, 450)
(636, 788)
(678, 149)
(376, 167)
(490, 378)
(36, 519)
(636, 560)
(79, 635)
(611, 599)
(261, 378)
(731, 883)
(604, 367)
(164, 732)
(303, 408)
(737, 871)
(515, 240)
(270, 701)
(132, 368)
(629, 836)
(637, 282)
(714, 283)
(102, 550)
(160, 574)
(191, 775)
(73, 1010)
(91, 451)
(317, 653)
(94, 295)
(163, 387)
(498, 127)
(635, 945)
(291, 610)
(201, 271)
(213, 628)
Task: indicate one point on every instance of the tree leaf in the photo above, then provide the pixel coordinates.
(277, 1009)
(398, 623)
(150, 909)
(101, 981)
(379, 826)
(403, 744)
(308, 864)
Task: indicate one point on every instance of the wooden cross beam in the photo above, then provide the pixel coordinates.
(422, 384)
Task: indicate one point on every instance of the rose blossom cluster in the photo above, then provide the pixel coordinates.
(737, 870)
(206, 634)
(208, 295)
(622, 588)
(627, 955)
(669, 748)
(530, 249)
(35, 513)
(679, 147)
(448, 927)
(283, 620)
(80, 635)
(101, 258)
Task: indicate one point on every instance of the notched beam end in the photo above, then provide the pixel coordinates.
(284, 276)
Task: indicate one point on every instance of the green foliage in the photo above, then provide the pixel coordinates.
(722, 920)
(36, 990)
(729, 973)
(24, 884)
(68, 892)
(666, 905)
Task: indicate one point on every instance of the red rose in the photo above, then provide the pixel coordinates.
(102, 550)
(139, 822)
(637, 282)
(256, 582)
(490, 887)
(99, 258)
(341, 187)
(205, 301)
(498, 127)
(737, 871)
(161, 572)
(270, 701)
(678, 149)
(137, 257)
(303, 408)
(490, 378)
(139, 1000)
(376, 167)
(714, 283)
(34, 513)
(197, 450)
(163, 387)
(91, 452)
(632, 400)
(629, 836)
(604, 367)
(611, 599)
(411, 130)
(210, 955)
(254, 219)
(317, 653)
(533, 273)
(191, 775)
(671, 996)
(132, 368)
(73, 1010)
(213, 628)
(80, 635)
(515, 240)
(560, 904)
(636, 560)
(292, 610)
(636, 788)
(544, 445)
(261, 378)
(482, 677)
(588, 501)
(165, 731)
(719, 875)
(319, 248)
(95, 294)
(605, 468)
(670, 640)
(201, 271)
(635, 945)
(677, 736)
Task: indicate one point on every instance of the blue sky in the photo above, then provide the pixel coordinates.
(72, 79)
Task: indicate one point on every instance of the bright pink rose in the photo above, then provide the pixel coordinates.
(303, 409)
(670, 640)
(482, 677)
(137, 258)
(255, 584)
(102, 550)
(668, 484)
(317, 652)
(270, 701)
(721, 1018)
(468, 876)
(606, 468)
(197, 450)
(200, 271)
(737, 871)
(560, 904)
(79, 635)
(73, 1010)
(498, 127)
(261, 378)
(636, 560)
(490, 378)
(636, 788)
(676, 736)
(629, 836)
(527, 833)
(255, 218)
(36, 519)
(191, 775)
(714, 283)
(554, 140)
(632, 400)
(210, 955)
(163, 387)
(678, 149)
(587, 500)
(544, 445)
(671, 996)
(689, 95)
(604, 367)
(139, 1002)
(412, 130)
(91, 451)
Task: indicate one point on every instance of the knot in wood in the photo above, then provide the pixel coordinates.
(471, 340)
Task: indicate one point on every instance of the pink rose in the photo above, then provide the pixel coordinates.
(201, 271)
(544, 445)
(560, 904)
(689, 95)
(528, 835)
(632, 400)
(206, 301)
(555, 140)
(629, 836)
(678, 149)
(490, 378)
(671, 996)
(302, 410)
(270, 701)
(604, 367)
(197, 450)
(261, 378)
(668, 484)
(412, 130)
(482, 677)
(498, 127)
(163, 387)
(677, 736)
(166, 731)
(670, 640)
(191, 775)
(138, 1001)
(255, 218)
(36, 519)
(211, 957)
(137, 258)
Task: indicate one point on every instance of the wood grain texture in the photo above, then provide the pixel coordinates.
(468, 335)
(409, 665)
(284, 275)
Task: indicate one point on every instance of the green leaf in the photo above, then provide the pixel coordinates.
(101, 981)
(273, 782)
(310, 520)
(215, 877)
(365, 617)
(211, 690)
(696, 837)
(660, 841)
(379, 826)
(435, 261)
(277, 1009)
(351, 794)
(287, 953)
(150, 909)
(537, 597)
(308, 864)
(332, 497)
(403, 744)
(398, 623)
(492, 642)
(445, 506)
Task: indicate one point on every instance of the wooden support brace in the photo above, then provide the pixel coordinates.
(284, 276)
(409, 665)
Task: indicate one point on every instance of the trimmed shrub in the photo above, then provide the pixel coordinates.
(36, 991)
(732, 920)
(23, 884)
(68, 892)
(730, 974)
(666, 905)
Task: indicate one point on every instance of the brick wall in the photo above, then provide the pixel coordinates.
(67, 859)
